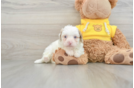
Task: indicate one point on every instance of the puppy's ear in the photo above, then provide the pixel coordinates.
(78, 4)
(113, 3)
(81, 37)
(60, 35)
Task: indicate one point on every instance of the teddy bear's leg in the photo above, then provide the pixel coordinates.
(119, 56)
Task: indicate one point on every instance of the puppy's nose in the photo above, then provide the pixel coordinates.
(69, 42)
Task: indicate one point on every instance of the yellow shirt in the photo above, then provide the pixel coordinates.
(97, 29)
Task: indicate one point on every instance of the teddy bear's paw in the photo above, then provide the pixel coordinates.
(62, 60)
(73, 62)
(123, 57)
(130, 56)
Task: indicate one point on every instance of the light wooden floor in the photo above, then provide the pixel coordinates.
(26, 74)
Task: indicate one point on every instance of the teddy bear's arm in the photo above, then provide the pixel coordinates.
(120, 40)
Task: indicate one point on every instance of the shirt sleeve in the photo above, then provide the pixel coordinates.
(79, 28)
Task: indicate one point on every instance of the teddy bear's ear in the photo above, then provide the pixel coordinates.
(78, 4)
(113, 3)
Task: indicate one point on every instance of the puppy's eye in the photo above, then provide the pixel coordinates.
(65, 36)
(75, 37)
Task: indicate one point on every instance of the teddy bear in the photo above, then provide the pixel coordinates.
(102, 42)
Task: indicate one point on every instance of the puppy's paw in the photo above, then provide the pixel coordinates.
(76, 54)
(38, 61)
(46, 59)
(70, 53)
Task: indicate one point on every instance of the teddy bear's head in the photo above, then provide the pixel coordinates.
(95, 9)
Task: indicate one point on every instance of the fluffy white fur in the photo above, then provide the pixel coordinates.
(70, 41)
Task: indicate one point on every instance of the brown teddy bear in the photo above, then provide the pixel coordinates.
(102, 42)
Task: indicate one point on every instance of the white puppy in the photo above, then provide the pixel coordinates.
(70, 40)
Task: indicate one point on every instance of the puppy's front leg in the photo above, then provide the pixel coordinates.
(70, 52)
(78, 52)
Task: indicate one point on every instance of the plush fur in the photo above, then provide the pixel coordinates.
(120, 40)
(117, 51)
(113, 3)
(95, 9)
(97, 49)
